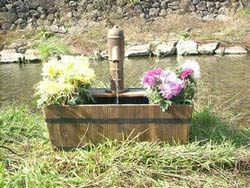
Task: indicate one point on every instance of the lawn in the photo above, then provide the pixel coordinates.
(217, 155)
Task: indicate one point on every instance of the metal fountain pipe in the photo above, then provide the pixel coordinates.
(116, 56)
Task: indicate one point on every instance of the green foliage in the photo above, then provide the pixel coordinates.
(207, 126)
(18, 124)
(51, 47)
(184, 34)
(122, 164)
(154, 96)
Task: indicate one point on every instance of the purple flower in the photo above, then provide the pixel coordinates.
(150, 77)
(171, 88)
(186, 72)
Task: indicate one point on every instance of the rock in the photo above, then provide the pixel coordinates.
(174, 4)
(56, 29)
(2, 4)
(35, 13)
(139, 50)
(187, 48)
(201, 6)
(33, 4)
(50, 17)
(16, 45)
(220, 51)
(208, 48)
(164, 5)
(1, 47)
(188, 6)
(32, 55)
(153, 12)
(235, 50)
(40, 10)
(10, 56)
(196, 2)
(224, 18)
(62, 30)
(8, 17)
(163, 13)
(165, 49)
(104, 54)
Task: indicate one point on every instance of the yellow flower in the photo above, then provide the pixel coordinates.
(51, 69)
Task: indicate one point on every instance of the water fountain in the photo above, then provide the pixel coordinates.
(117, 113)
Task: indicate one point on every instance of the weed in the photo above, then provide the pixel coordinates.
(120, 164)
(207, 126)
(51, 47)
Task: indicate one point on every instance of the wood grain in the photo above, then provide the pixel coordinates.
(77, 134)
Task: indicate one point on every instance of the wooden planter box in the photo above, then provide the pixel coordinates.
(74, 126)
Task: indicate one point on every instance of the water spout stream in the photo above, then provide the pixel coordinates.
(116, 88)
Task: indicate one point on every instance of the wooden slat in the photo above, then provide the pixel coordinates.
(78, 134)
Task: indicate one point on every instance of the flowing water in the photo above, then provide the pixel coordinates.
(117, 88)
(224, 85)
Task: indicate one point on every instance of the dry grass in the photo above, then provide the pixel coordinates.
(86, 37)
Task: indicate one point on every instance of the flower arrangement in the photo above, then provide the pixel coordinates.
(65, 81)
(165, 87)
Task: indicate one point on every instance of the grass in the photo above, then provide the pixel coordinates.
(218, 155)
(87, 37)
(51, 47)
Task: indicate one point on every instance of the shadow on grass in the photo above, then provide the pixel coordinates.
(207, 126)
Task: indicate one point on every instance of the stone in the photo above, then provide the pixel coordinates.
(165, 49)
(188, 6)
(210, 4)
(8, 17)
(220, 51)
(62, 30)
(32, 55)
(2, 4)
(138, 50)
(10, 56)
(33, 4)
(40, 9)
(187, 48)
(174, 3)
(3, 9)
(35, 13)
(235, 50)
(224, 18)
(201, 6)
(9, 6)
(56, 29)
(217, 5)
(196, 2)
(208, 48)
(163, 13)
(153, 12)
(104, 54)
(156, 5)
(50, 17)
(164, 5)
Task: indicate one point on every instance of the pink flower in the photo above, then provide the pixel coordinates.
(186, 72)
(150, 78)
(171, 88)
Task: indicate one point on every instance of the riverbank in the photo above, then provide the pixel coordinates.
(89, 38)
(216, 156)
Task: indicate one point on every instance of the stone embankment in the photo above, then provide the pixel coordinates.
(182, 48)
(17, 52)
(31, 13)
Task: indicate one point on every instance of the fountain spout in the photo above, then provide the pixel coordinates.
(116, 56)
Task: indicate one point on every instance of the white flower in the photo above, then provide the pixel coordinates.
(191, 64)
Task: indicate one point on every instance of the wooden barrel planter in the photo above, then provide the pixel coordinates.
(75, 126)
